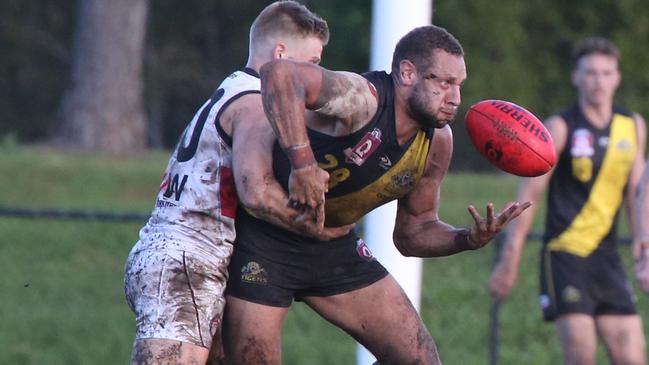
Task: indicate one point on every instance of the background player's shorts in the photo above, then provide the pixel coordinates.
(176, 294)
(592, 285)
(272, 266)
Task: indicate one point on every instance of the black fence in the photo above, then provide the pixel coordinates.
(78, 214)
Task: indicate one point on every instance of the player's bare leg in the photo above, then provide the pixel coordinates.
(159, 352)
(381, 318)
(252, 333)
(578, 338)
(217, 356)
(623, 337)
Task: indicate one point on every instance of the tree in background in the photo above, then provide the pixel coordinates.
(207, 40)
(35, 38)
(521, 51)
(191, 47)
(103, 108)
(515, 50)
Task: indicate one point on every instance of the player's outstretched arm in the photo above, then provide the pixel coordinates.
(636, 192)
(638, 205)
(258, 190)
(288, 89)
(503, 277)
(419, 230)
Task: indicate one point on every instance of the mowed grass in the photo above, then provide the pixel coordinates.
(61, 288)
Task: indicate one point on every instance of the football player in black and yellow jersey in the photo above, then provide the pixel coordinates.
(381, 137)
(584, 289)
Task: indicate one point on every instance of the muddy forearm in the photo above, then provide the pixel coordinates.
(432, 239)
(283, 97)
(265, 199)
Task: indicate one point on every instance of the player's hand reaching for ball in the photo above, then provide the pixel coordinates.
(485, 229)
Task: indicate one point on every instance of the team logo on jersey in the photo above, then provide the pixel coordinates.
(582, 143)
(623, 145)
(253, 272)
(404, 179)
(174, 186)
(571, 294)
(363, 250)
(384, 162)
(603, 141)
(365, 148)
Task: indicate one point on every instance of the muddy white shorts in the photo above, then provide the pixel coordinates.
(177, 294)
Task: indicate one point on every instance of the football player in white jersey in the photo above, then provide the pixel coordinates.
(176, 273)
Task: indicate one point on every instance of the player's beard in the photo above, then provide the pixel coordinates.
(419, 111)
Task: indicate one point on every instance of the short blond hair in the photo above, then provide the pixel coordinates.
(287, 19)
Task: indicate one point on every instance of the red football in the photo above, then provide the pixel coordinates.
(510, 137)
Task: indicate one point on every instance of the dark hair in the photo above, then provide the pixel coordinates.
(418, 45)
(289, 18)
(597, 45)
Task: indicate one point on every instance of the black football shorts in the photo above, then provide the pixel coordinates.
(592, 285)
(272, 266)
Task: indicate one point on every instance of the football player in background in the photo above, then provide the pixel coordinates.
(600, 148)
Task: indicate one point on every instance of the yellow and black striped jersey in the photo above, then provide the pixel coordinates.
(589, 182)
(367, 168)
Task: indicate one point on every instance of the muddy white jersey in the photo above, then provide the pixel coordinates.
(197, 201)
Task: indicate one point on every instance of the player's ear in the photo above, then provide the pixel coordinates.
(407, 72)
(279, 51)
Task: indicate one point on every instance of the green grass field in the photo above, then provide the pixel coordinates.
(61, 288)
